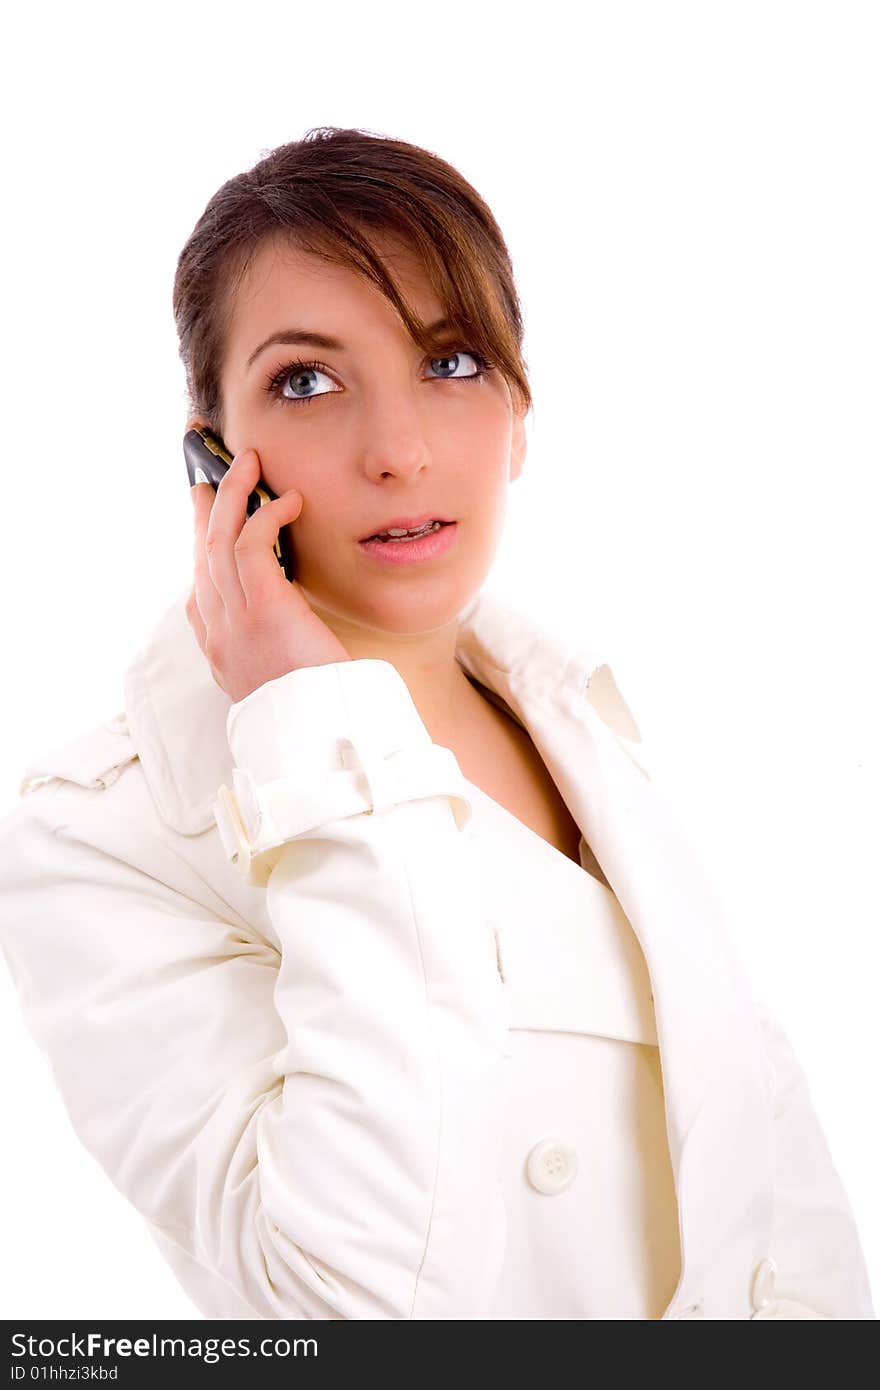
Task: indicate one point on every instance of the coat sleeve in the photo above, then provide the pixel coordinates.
(820, 1265)
(316, 1122)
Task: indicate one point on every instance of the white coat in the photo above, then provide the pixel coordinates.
(245, 937)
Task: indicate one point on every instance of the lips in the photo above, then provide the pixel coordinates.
(412, 550)
(406, 523)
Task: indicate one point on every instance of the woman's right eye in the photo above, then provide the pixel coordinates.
(297, 375)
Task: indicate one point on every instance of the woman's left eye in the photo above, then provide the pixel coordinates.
(450, 363)
(482, 365)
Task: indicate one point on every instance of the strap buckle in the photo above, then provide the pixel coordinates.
(232, 832)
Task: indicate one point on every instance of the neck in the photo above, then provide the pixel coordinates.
(440, 690)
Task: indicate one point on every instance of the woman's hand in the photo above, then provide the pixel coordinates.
(252, 623)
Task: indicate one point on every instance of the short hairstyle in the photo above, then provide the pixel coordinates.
(323, 195)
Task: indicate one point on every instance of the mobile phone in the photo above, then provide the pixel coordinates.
(207, 460)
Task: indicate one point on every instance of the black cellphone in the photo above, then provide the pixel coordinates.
(207, 459)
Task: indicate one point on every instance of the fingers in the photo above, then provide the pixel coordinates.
(226, 519)
(207, 598)
(234, 557)
(258, 568)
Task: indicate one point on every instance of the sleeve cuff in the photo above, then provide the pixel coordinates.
(325, 742)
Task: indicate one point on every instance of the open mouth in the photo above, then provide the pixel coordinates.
(401, 536)
(428, 542)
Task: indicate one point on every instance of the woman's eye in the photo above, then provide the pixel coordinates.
(297, 378)
(455, 359)
(294, 382)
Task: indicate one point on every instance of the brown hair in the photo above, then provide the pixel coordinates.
(321, 194)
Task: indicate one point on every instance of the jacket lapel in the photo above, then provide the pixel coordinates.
(706, 1021)
(708, 1029)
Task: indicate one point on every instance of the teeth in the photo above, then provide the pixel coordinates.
(411, 530)
(398, 533)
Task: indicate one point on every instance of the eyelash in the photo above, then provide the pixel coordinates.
(275, 382)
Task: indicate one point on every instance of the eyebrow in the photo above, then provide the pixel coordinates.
(305, 336)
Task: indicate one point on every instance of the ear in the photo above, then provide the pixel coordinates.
(518, 446)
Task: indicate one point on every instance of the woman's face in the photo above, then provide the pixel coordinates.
(378, 431)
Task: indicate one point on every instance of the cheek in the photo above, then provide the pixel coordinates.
(323, 510)
(489, 479)
(313, 481)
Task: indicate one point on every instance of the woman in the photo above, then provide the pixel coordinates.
(371, 964)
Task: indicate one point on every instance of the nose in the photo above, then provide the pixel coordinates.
(395, 445)
(396, 460)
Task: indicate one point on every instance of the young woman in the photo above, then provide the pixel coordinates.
(371, 964)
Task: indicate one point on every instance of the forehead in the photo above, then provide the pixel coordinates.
(283, 280)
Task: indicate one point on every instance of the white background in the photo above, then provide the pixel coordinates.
(689, 194)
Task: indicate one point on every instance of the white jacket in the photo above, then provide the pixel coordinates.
(245, 937)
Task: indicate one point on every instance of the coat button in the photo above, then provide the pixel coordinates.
(551, 1165)
(763, 1284)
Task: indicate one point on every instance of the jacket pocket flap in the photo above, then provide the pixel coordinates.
(576, 967)
(93, 760)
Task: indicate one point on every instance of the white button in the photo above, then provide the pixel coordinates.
(552, 1165)
(763, 1284)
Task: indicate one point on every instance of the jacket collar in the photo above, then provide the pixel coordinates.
(567, 698)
